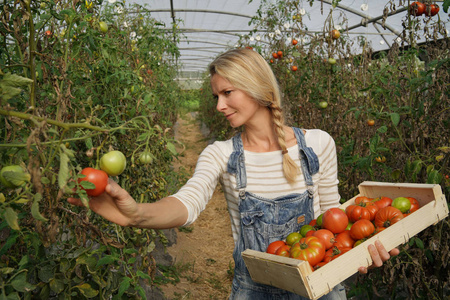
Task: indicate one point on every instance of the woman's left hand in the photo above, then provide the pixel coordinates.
(379, 256)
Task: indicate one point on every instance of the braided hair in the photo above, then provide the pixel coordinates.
(248, 71)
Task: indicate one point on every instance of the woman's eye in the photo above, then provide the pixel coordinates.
(227, 92)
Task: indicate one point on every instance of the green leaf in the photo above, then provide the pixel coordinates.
(63, 174)
(382, 129)
(106, 260)
(395, 118)
(20, 283)
(12, 85)
(124, 285)
(419, 243)
(57, 285)
(35, 208)
(171, 148)
(87, 290)
(11, 218)
(143, 275)
(445, 5)
(46, 273)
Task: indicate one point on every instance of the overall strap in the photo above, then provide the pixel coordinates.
(308, 159)
(236, 164)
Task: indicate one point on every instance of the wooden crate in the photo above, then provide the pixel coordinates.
(296, 276)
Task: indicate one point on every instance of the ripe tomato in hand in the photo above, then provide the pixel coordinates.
(97, 177)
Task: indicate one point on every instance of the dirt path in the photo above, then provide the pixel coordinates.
(203, 253)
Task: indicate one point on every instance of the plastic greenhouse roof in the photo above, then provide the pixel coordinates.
(209, 27)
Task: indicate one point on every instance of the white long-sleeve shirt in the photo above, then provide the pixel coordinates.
(264, 177)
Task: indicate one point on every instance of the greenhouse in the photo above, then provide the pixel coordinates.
(173, 149)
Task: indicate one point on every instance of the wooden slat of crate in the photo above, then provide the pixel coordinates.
(315, 284)
(283, 272)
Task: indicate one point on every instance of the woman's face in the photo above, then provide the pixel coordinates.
(237, 106)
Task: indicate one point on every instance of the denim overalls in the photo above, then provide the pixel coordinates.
(266, 220)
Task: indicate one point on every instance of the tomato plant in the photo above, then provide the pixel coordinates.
(310, 249)
(113, 163)
(97, 177)
(335, 220)
(273, 247)
(362, 229)
(388, 216)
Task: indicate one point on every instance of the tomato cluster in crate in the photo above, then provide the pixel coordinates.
(337, 231)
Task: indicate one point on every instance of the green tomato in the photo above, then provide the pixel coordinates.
(319, 220)
(331, 61)
(13, 176)
(323, 104)
(103, 27)
(146, 158)
(305, 228)
(401, 203)
(113, 163)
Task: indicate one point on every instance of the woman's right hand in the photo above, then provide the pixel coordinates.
(115, 205)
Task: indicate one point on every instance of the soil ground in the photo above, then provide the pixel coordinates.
(203, 251)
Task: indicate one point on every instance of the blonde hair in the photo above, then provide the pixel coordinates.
(248, 71)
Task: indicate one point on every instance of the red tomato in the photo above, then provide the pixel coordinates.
(387, 216)
(344, 239)
(283, 250)
(335, 252)
(280, 54)
(294, 42)
(319, 265)
(310, 249)
(383, 202)
(362, 229)
(98, 177)
(294, 68)
(356, 212)
(326, 236)
(335, 220)
(363, 199)
(415, 205)
(431, 10)
(273, 247)
(417, 8)
(313, 222)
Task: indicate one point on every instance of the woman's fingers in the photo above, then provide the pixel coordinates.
(379, 255)
(75, 201)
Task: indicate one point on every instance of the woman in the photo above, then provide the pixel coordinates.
(275, 178)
